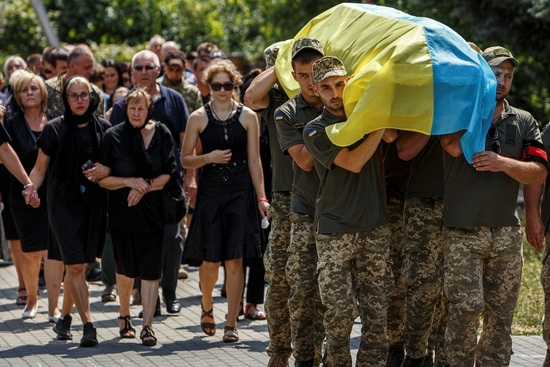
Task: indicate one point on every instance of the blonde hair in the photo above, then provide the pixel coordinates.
(79, 80)
(23, 82)
(223, 66)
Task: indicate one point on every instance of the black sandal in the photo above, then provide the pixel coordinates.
(128, 332)
(209, 328)
(147, 333)
(21, 300)
(230, 334)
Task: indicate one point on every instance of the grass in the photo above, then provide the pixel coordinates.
(530, 307)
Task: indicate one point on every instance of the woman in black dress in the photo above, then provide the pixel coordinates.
(230, 195)
(69, 152)
(140, 154)
(24, 125)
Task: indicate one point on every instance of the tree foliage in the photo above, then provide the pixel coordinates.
(115, 28)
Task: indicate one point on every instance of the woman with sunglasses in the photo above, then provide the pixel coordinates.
(68, 153)
(225, 226)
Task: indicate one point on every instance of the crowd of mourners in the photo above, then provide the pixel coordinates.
(399, 228)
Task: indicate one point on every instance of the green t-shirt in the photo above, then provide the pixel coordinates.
(281, 169)
(347, 202)
(291, 119)
(426, 179)
(487, 199)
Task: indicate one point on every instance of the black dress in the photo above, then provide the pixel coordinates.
(225, 224)
(76, 207)
(31, 223)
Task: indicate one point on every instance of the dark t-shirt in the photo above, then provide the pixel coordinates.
(291, 119)
(347, 202)
(487, 199)
(281, 163)
(426, 178)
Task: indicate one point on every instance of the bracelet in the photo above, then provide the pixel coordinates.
(263, 200)
(28, 185)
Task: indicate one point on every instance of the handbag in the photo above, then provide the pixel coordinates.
(173, 202)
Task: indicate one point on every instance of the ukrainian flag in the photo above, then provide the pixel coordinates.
(408, 73)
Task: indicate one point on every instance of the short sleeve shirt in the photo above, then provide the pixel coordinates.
(4, 136)
(281, 164)
(487, 199)
(347, 202)
(426, 178)
(291, 119)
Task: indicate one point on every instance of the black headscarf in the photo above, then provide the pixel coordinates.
(69, 116)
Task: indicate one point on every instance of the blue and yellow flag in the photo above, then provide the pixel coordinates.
(408, 73)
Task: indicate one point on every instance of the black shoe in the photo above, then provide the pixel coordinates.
(89, 337)
(63, 328)
(172, 306)
(413, 362)
(304, 363)
(94, 275)
(396, 354)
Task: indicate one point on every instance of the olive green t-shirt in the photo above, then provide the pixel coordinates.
(426, 179)
(347, 202)
(291, 119)
(487, 199)
(281, 169)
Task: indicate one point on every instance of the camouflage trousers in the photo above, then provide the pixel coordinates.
(545, 280)
(355, 267)
(396, 306)
(482, 275)
(275, 259)
(304, 302)
(423, 276)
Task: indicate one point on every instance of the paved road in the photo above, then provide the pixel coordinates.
(181, 341)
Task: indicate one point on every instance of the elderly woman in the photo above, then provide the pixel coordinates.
(68, 148)
(24, 125)
(140, 155)
(230, 196)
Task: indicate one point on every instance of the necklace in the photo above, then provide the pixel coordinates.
(217, 115)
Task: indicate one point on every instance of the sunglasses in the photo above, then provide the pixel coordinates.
(73, 97)
(493, 135)
(216, 87)
(148, 68)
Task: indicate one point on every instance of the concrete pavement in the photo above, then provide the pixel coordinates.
(181, 341)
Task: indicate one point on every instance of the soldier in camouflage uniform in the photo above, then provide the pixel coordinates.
(396, 173)
(174, 68)
(482, 239)
(352, 239)
(538, 230)
(306, 309)
(423, 252)
(265, 96)
(79, 62)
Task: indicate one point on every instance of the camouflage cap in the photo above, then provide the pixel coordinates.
(327, 66)
(495, 55)
(475, 47)
(306, 42)
(270, 54)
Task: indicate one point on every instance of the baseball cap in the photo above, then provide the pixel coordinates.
(495, 55)
(304, 43)
(270, 54)
(327, 66)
